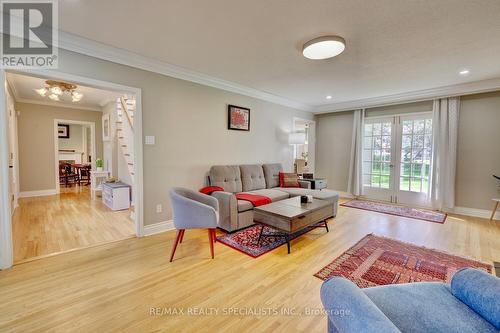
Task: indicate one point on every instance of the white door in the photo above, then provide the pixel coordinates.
(414, 159)
(12, 157)
(397, 158)
(378, 158)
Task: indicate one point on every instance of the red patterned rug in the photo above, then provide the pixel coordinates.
(245, 240)
(387, 208)
(376, 261)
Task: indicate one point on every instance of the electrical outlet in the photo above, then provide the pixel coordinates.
(159, 208)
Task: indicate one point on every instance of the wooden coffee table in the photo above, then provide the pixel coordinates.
(289, 216)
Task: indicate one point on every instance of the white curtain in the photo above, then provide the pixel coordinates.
(355, 186)
(444, 152)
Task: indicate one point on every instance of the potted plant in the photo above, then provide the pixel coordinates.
(99, 164)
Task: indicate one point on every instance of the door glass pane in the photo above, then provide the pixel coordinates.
(368, 129)
(377, 154)
(416, 183)
(404, 183)
(406, 142)
(407, 126)
(405, 169)
(384, 181)
(418, 126)
(386, 169)
(416, 154)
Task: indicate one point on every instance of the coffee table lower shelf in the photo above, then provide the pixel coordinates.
(286, 235)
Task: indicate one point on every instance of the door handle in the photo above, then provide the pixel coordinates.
(391, 165)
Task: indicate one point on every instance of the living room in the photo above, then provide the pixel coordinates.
(230, 94)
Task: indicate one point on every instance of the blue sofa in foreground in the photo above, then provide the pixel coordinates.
(470, 303)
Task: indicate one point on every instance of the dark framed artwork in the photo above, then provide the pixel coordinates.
(238, 118)
(63, 131)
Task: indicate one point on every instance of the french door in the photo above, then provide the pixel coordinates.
(397, 154)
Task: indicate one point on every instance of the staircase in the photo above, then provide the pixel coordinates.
(125, 108)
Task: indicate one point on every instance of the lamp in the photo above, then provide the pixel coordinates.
(55, 90)
(297, 138)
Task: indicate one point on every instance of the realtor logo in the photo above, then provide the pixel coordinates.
(29, 34)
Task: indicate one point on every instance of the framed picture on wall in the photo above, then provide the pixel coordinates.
(238, 118)
(106, 127)
(63, 131)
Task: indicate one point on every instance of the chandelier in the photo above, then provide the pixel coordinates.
(56, 89)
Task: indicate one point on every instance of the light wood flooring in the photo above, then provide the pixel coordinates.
(71, 220)
(112, 288)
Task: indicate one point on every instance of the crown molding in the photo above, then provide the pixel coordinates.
(59, 105)
(461, 89)
(110, 53)
(99, 50)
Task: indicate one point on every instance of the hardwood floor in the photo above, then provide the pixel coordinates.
(71, 220)
(114, 287)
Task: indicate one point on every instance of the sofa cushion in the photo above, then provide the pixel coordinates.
(272, 193)
(252, 177)
(244, 205)
(271, 173)
(426, 307)
(317, 194)
(226, 176)
(288, 179)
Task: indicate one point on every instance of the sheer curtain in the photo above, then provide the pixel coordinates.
(444, 156)
(355, 185)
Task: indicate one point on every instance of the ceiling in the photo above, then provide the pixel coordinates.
(24, 86)
(393, 46)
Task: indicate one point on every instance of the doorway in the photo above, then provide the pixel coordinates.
(64, 202)
(397, 154)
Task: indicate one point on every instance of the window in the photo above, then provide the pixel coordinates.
(377, 156)
(416, 154)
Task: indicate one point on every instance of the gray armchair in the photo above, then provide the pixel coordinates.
(193, 210)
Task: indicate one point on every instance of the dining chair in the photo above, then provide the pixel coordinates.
(193, 210)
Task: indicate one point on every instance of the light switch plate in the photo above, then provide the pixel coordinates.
(149, 140)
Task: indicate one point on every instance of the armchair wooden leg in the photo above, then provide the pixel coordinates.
(214, 235)
(211, 241)
(182, 235)
(177, 239)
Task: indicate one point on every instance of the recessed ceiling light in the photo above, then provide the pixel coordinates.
(464, 72)
(323, 47)
(328, 97)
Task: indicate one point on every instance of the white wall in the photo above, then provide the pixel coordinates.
(478, 154)
(75, 140)
(189, 122)
(333, 148)
(36, 142)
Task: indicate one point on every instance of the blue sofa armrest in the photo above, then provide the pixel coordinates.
(350, 310)
(479, 291)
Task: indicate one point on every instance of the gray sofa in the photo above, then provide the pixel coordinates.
(261, 179)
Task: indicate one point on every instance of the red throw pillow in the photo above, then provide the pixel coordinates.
(289, 180)
(210, 189)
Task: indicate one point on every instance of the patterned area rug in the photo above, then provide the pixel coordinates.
(376, 261)
(414, 213)
(245, 240)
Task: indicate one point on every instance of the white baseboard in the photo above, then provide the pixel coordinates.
(484, 213)
(159, 227)
(28, 194)
(343, 194)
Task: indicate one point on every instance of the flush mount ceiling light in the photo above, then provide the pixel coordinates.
(329, 97)
(323, 47)
(464, 72)
(55, 89)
